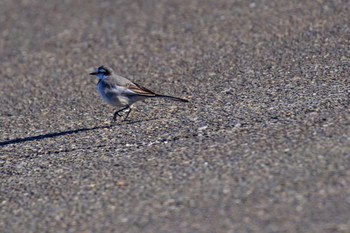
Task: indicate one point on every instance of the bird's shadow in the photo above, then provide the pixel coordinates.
(67, 132)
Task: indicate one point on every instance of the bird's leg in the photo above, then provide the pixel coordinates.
(118, 111)
(127, 114)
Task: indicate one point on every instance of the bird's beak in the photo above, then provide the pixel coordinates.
(93, 73)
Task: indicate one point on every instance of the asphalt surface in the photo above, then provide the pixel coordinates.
(263, 145)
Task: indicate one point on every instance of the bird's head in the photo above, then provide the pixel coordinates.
(102, 71)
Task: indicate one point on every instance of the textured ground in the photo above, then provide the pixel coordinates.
(263, 146)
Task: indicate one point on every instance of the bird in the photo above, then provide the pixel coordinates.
(122, 93)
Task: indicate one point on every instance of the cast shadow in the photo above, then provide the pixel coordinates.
(57, 134)
(50, 135)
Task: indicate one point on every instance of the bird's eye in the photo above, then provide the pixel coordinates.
(103, 70)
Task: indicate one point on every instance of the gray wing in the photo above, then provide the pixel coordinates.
(117, 80)
(122, 82)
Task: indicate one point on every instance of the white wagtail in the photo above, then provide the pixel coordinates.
(121, 92)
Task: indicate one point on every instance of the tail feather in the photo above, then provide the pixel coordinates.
(171, 98)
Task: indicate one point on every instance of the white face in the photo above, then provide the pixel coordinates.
(101, 76)
(102, 72)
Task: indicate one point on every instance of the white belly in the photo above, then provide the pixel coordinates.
(112, 96)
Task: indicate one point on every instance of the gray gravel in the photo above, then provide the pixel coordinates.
(263, 146)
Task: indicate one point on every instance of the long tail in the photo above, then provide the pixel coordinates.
(171, 98)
